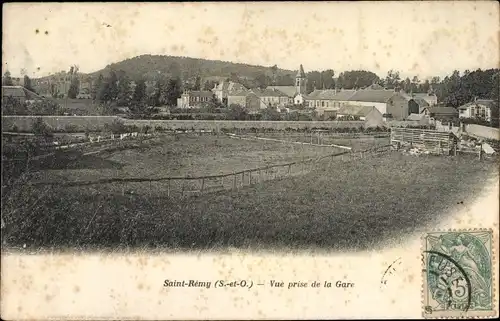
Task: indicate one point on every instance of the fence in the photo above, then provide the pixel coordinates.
(97, 123)
(435, 141)
(179, 187)
(246, 137)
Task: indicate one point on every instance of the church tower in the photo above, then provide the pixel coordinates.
(301, 81)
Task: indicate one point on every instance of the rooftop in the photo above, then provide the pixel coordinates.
(289, 91)
(200, 93)
(372, 95)
(361, 111)
(442, 110)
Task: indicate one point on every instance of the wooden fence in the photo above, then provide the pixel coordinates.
(434, 141)
(178, 187)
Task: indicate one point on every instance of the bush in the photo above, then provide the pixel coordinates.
(71, 128)
(40, 128)
(116, 127)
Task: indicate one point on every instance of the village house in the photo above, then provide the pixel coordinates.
(194, 99)
(266, 98)
(225, 89)
(479, 109)
(329, 99)
(429, 98)
(369, 114)
(443, 113)
(238, 98)
(417, 105)
(421, 118)
(390, 103)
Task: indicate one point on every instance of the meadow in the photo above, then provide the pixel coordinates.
(347, 205)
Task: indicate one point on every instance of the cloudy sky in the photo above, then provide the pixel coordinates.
(418, 38)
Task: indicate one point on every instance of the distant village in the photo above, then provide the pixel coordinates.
(373, 104)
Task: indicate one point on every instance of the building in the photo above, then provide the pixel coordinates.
(227, 88)
(429, 98)
(421, 119)
(238, 98)
(479, 109)
(266, 98)
(443, 113)
(293, 95)
(329, 99)
(19, 93)
(369, 114)
(390, 103)
(194, 99)
(417, 105)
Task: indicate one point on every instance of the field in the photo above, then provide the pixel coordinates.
(354, 205)
(182, 155)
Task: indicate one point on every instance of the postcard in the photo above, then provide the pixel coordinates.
(250, 160)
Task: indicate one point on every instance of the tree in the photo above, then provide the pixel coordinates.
(425, 86)
(356, 79)
(12, 106)
(197, 83)
(262, 81)
(73, 88)
(173, 91)
(113, 85)
(7, 79)
(270, 113)
(406, 85)
(159, 96)
(96, 88)
(495, 95)
(139, 93)
(327, 78)
(392, 80)
(124, 96)
(274, 71)
(40, 128)
(27, 83)
(236, 112)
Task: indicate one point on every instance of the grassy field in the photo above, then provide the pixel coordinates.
(181, 155)
(349, 205)
(356, 142)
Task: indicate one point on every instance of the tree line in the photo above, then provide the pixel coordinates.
(117, 89)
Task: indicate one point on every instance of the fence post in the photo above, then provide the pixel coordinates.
(182, 189)
(289, 168)
(250, 178)
(242, 178)
(202, 184)
(234, 181)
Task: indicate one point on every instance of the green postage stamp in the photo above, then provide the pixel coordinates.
(458, 274)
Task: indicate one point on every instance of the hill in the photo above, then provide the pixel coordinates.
(149, 66)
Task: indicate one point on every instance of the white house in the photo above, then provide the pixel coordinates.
(480, 108)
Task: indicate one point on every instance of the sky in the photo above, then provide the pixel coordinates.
(416, 38)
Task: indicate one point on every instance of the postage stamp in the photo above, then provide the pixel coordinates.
(458, 280)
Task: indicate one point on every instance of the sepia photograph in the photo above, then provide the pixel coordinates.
(210, 129)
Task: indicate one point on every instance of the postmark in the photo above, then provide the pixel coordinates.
(458, 279)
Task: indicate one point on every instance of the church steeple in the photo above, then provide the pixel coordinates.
(301, 81)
